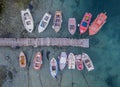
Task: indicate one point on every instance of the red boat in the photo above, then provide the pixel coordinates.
(79, 63)
(97, 23)
(37, 62)
(85, 23)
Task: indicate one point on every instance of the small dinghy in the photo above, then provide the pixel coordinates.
(37, 62)
(57, 21)
(79, 62)
(22, 59)
(44, 22)
(72, 25)
(53, 67)
(87, 61)
(71, 61)
(63, 60)
(27, 20)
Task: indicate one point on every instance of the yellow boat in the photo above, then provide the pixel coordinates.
(22, 59)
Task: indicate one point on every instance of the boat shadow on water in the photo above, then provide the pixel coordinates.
(47, 55)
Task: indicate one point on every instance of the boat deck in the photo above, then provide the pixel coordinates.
(13, 42)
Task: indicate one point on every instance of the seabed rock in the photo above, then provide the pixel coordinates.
(3, 74)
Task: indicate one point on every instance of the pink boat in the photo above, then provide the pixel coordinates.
(37, 62)
(79, 63)
(72, 25)
(85, 23)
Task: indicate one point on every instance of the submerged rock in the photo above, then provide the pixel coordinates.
(3, 74)
(2, 5)
(111, 81)
(10, 74)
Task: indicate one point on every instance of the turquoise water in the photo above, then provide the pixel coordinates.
(104, 46)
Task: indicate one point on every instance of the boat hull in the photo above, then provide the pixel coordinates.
(97, 23)
(63, 60)
(44, 22)
(71, 61)
(72, 25)
(22, 59)
(37, 62)
(53, 67)
(85, 23)
(27, 20)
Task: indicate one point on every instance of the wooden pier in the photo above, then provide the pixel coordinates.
(13, 42)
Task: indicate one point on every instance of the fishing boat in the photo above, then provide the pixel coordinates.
(44, 22)
(72, 25)
(37, 62)
(87, 62)
(85, 23)
(97, 23)
(71, 61)
(57, 21)
(79, 62)
(27, 20)
(63, 60)
(53, 67)
(22, 59)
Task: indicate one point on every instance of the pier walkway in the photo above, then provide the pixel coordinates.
(13, 42)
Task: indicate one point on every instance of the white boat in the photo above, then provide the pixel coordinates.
(27, 20)
(72, 25)
(87, 62)
(44, 22)
(53, 67)
(71, 61)
(57, 21)
(63, 60)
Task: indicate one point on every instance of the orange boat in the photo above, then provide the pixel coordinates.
(97, 23)
(37, 62)
(85, 23)
(22, 59)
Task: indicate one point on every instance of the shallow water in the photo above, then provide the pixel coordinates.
(104, 47)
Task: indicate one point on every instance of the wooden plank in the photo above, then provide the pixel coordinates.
(44, 42)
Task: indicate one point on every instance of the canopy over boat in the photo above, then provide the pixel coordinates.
(71, 61)
(63, 60)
